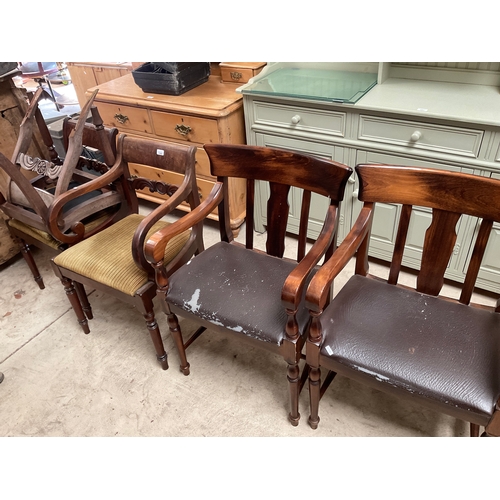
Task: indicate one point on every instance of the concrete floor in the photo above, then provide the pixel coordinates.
(61, 382)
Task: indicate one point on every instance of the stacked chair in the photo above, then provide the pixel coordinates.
(43, 211)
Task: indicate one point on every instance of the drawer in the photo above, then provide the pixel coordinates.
(204, 186)
(239, 72)
(416, 135)
(295, 118)
(185, 128)
(125, 118)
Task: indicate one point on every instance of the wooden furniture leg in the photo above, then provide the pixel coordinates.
(28, 257)
(75, 303)
(84, 301)
(175, 331)
(154, 331)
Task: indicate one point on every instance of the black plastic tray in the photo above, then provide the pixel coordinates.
(170, 78)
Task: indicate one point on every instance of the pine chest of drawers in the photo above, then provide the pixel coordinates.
(209, 113)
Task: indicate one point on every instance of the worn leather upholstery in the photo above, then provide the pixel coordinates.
(259, 278)
(419, 342)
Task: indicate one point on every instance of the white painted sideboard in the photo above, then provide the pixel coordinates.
(443, 116)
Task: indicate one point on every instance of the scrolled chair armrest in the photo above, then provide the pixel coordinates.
(56, 207)
(319, 287)
(180, 195)
(157, 242)
(292, 290)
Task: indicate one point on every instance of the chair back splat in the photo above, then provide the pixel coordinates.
(254, 294)
(414, 342)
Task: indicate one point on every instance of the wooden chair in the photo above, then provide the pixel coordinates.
(28, 203)
(412, 342)
(236, 289)
(113, 260)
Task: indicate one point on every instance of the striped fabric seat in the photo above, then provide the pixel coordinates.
(107, 258)
(47, 238)
(38, 234)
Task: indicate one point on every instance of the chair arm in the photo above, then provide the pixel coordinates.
(56, 207)
(291, 293)
(157, 242)
(317, 291)
(180, 195)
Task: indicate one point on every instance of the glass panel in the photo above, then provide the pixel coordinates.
(319, 84)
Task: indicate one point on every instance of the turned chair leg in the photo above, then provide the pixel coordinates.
(474, 430)
(84, 300)
(314, 396)
(75, 303)
(175, 331)
(28, 257)
(293, 377)
(154, 331)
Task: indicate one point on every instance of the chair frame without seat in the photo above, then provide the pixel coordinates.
(415, 343)
(275, 283)
(177, 159)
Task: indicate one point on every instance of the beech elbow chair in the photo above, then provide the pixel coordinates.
(412, 342)
(113, 260)
(235, 289)
(29, 202)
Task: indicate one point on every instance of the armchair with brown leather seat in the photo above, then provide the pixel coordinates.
(254, 295)
(413, 342)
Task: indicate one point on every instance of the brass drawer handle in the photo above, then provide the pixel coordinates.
(182, 129)
(121, 118)
(235, 75)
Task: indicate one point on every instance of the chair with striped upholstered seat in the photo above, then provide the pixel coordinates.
(113, 260)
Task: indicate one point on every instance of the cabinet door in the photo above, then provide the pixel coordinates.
(319, 204)
(385, 222)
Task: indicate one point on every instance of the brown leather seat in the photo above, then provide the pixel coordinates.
(215, 287)
(416, 345)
